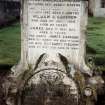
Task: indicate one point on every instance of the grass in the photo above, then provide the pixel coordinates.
(96, 38)
(96, 35)
(10, 41)
(10, 44)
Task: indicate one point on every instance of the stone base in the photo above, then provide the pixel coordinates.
(51, 84)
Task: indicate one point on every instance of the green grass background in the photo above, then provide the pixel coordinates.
(10, 44)
(10, 41)
(96, 39)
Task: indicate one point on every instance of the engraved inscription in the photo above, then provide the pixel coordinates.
(54, 25)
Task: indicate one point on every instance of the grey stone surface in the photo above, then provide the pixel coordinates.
(96, 8)
(34, 42)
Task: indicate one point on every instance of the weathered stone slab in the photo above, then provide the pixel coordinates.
(50, 88)
(54, 27)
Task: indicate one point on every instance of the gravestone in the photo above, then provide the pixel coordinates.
(52, 70)
(97, 8)
(54, 28)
